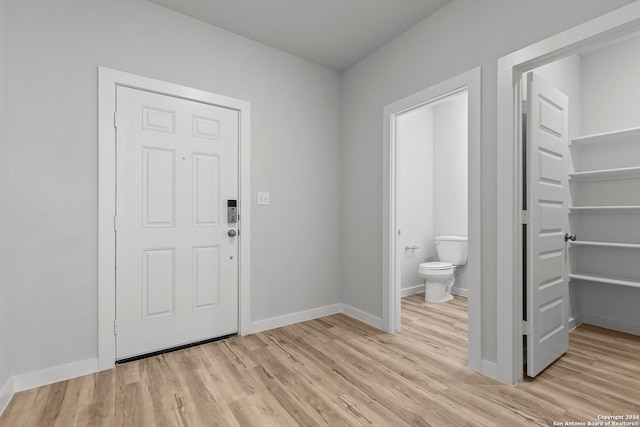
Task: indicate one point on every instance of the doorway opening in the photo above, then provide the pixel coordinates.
(431, 196)
(432, 189)
(597, 175)
(601, 173)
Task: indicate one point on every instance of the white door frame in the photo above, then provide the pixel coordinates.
(610, 26)
(391, 297)
(108, 80)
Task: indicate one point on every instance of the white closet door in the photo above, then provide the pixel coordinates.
(176, 266)
(547, 282)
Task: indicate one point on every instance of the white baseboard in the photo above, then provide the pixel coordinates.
(489, 368)
(53, 375)
(611, 323)
(315, 313)
(6, 393)
(77, 369)
(360, 315)
(290, 319)
(574, 322)
(463, 292)
(405, 292)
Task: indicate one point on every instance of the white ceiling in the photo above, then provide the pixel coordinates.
(333, 33)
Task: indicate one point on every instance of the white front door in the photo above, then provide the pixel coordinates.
(176, 265)
(547, 284)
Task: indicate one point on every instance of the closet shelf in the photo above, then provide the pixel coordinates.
(606, 174)
(605, 279)
(604, 209)
(608, 138)
(607, 244)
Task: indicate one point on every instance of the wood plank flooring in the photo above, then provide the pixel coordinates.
(336, 371)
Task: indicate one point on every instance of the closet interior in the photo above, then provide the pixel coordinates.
(603, 86)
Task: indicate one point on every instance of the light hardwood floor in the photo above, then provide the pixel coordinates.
(336, 371)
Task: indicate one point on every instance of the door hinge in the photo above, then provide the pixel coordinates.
(525, 107)
(525, 217)
(115, 327)
(115, 223)
(525, 328)
(115, 119)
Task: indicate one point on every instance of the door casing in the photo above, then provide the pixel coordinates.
(604, 29)
(108, 80)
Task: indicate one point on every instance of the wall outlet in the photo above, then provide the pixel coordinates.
(264, 198)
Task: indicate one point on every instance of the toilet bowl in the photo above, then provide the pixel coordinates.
(439, 278)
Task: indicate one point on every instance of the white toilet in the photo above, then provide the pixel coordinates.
(440, 276)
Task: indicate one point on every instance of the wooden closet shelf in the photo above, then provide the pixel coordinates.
(605, 279)
(606, 244)
(604, 209)
(621, 136)
(606, 174)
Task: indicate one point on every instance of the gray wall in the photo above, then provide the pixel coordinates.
(460, 36)
(54, 52)
(611, 88)
(4, 204)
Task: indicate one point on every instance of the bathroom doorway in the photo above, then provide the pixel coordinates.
(433, 140)
(432, 191)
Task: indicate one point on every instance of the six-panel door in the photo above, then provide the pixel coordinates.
(176, 266)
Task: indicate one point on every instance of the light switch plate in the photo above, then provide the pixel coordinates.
(264, 198)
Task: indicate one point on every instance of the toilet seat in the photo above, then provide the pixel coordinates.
(436, 265)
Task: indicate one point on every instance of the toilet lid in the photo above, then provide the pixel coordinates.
(436, 265)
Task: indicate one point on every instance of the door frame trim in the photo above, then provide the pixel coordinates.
(608, 27)
(471, 81)
(108, 80)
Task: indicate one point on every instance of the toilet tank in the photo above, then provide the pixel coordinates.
(453, 249)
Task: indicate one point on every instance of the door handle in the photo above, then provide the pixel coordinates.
(232, 233)
(571, 237)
